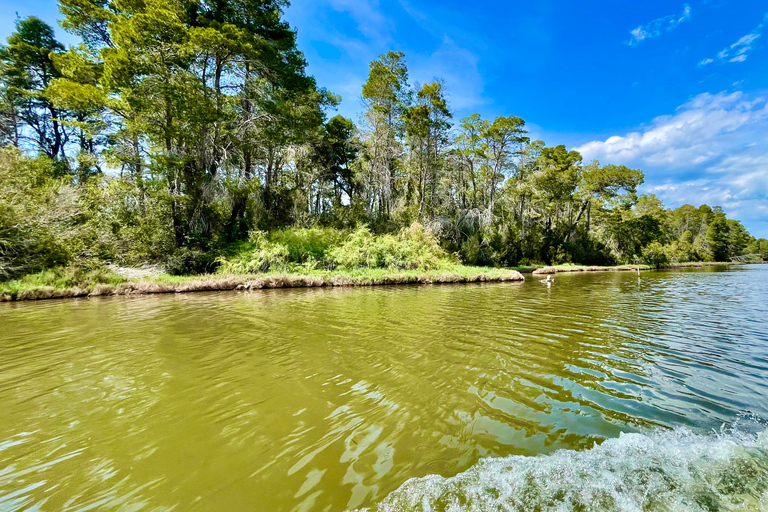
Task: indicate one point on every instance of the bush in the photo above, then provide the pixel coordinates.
(654, 255)
(305, 250)
(308, 244)
(471, 250)
(187, 261)
(411, 248)
(35, 212)
(258, 255)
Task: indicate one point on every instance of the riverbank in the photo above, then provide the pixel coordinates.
(127, 281)
(557, 269)
(38, 289)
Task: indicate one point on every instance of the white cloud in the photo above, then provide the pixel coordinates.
(713, 149)
(658, 26)
(698, 132)
(737, 52)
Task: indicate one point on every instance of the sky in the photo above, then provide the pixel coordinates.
(677, 89)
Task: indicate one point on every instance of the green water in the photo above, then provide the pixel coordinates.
(331, 399)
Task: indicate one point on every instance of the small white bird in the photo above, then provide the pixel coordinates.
(549, 279)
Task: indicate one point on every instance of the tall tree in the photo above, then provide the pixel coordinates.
(26, 70)
(386, 95)
(504, 140)
(201, 89)
(426, 125)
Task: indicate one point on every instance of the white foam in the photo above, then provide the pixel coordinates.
(660, 471)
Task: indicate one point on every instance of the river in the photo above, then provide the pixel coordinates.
(604, 391)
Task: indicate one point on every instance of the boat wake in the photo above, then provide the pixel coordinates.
(661, 471)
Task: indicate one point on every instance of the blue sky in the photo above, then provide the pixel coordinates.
(678, 89)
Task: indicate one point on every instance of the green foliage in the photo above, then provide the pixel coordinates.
(304, 250)
(411, 248)
(282, 250)
(681, 251)
(217, 153)
(309, 243)
(36, 210)
(259, 255)
(758, 247)
(46, 222)
(186, 261)
(717, 236)
(655, 255)
(61, 277)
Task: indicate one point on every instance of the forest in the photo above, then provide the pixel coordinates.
(188, 134)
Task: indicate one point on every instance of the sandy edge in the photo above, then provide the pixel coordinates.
(631, 268)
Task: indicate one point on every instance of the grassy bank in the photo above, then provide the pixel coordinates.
(38, 286)
(108, 282)
(291, 258)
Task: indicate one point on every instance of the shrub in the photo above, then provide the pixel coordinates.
(655, 255)
(187, 261)
(411, 248)
(258, 255)
(308, 243)
(35, 212)
(471, 250)
(306, 250)
(680, 251)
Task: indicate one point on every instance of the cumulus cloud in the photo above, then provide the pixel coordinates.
(738, 51)
(699, 131)
(658, 26)
(711, 150)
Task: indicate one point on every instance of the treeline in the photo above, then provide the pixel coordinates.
(180, 129)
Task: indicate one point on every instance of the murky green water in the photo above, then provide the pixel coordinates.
(330, 399)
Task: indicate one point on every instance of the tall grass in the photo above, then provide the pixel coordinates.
(61, 278)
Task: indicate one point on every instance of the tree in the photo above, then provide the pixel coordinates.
(558, 173)
(332, 154)
(470, 151)
(738, 238)
(504, 140)
(386, 95)
(426, 125)
(26, 71)
(199, 90)
(717, 235)
(602, 186)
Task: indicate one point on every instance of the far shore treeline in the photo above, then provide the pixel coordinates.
(188, 136)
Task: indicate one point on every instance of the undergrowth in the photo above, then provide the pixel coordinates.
(307, 250)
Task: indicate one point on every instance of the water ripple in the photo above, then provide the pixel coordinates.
(331, 399)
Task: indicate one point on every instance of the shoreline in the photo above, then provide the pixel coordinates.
(213, 282)
(560, 269)
(166, 284)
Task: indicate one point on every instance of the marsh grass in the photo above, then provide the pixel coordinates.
(41, 287)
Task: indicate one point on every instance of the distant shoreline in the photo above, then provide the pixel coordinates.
(559, 269)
